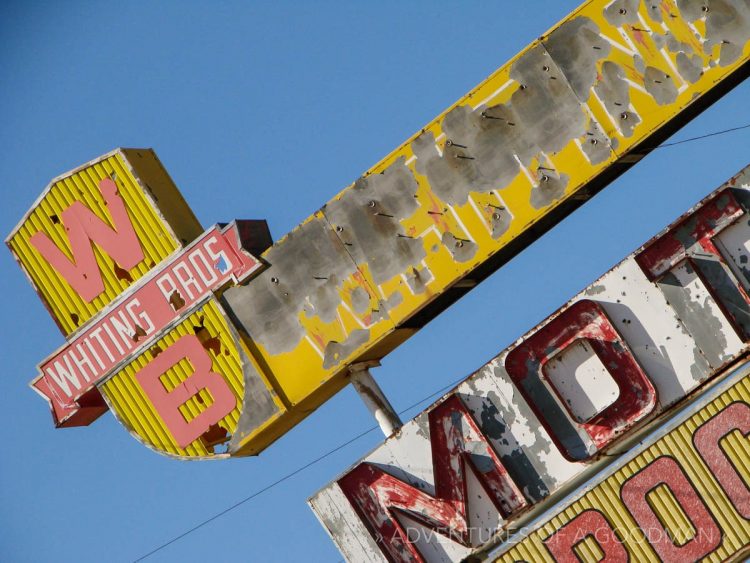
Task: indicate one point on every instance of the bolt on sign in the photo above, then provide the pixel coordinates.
(545, 132)
(566, 400)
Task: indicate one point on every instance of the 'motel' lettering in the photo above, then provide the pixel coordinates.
(545, 411)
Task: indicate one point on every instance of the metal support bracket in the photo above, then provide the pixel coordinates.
(373, 398)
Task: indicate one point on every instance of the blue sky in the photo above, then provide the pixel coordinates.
(266, 111)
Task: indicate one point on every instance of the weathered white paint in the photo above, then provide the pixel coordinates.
(582, 381)
(678, 345)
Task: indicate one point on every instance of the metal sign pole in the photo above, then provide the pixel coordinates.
(374, 398)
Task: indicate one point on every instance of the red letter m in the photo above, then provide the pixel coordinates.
(83, 227)
(457, 443)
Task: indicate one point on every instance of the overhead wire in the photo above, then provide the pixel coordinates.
(706, 136)
(289, 475)
(362, 434)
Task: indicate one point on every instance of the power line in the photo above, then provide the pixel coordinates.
(289, 475)
(255, 494)
(707, 135)
(364, 433)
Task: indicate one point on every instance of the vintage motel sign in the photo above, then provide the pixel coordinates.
(470, 190)
(548, 415)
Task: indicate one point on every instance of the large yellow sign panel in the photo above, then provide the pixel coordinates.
(463, 195)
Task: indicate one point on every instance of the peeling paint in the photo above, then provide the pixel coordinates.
(727, 25)
(660, 85)
(551, 186)
(258, 405)
(577, 47)
(621, 12)
(652, 326)
(547, 106)
(336, 352)
(368, 221)
(415, 279)
(698, 313)
(596, 145)
(615, 92)
(267, 309)
(360, 299)
(462, 250)
(690, 67)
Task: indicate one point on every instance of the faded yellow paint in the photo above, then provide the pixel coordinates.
(150, 197)
(126, 398)
(300, 374)
(678, 444)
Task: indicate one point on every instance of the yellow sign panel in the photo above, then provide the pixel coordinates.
(478, 183)
(207, 342)
(684, 498)
(52, 242)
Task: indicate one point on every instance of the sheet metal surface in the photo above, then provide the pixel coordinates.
(562, 403)
(478, 183)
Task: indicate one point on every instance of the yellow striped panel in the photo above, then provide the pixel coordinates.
(158, 239)
(678, 444)
(135, 411)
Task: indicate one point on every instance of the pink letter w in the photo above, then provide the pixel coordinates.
(83, 228)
